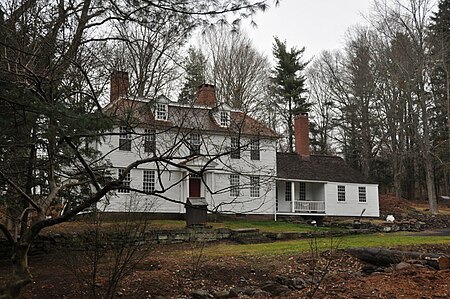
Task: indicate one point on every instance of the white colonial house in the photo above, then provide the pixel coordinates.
(205, 150)
(209, 150)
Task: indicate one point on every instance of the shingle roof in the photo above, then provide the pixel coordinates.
(317, 168)
(195, 117)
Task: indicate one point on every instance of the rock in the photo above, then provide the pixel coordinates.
(402, 265)
(294, 283)
(200, 294)
(222, 294)
(275, 288)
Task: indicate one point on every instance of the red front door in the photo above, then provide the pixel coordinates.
(194, 187)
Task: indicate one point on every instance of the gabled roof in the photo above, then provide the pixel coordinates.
(188, 118)
(317, 168)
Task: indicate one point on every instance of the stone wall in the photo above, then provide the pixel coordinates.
(87, 240)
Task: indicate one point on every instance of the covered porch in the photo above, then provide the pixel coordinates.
(300, 197)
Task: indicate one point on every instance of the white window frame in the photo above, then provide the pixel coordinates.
(149, 141)
(125, 139)
(148, 181)
(254, 186)
(362, 194)
(161, 111)
(126, 181)
(302, 191)
(234, 185)
(255, 149)
(235, 146)
(341, 193)
(224, 118)
(195, 143)
(288, 191)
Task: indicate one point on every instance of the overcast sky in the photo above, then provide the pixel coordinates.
(315, 24)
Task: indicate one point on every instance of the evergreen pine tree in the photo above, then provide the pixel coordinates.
(195, 75)
(289, 84)
(439, 40)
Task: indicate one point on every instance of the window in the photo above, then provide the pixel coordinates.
(224, 118)
(254, 149)
(362, 194)
(302, 191)
(234, 185)
(124, 139)
(288, 192)
(194, 143)
(235, 148)
(149, 141)
(341, 193)
(148, 181)
(254, 186)
(162, 111)
(125, 182)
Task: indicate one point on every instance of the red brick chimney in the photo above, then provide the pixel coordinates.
(119, 85)
(301, 130)
(206, 95)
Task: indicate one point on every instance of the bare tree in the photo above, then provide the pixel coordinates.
(322, 101)
(411, 19)
(236, 68)
(51, 82)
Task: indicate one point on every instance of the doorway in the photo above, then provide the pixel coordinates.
(195, 183)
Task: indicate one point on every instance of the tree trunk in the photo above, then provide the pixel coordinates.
(385, 257)
(428, 161)
(21, 275)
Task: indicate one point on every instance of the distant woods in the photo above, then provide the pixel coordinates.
(383, 101)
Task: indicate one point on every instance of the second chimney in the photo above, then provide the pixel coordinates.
(119, 85)
(206, 95)
(301, 128)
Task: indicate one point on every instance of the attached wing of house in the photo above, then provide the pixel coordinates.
(321, 185)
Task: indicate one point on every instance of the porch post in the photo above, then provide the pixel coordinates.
(293, 196)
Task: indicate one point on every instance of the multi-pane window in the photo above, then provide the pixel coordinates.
(235, 148)
(162, 111)
(302, 191)
(124, 139)
(288, 191)
(254, 186)
(341, 193)
(234, 185)
(149, 141)
(362, 194)
(126, 181)
(224, 118)
(148, 181)
(195, 143)
(254, 149)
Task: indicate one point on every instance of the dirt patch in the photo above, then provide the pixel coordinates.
(169, 272)
(389, 204)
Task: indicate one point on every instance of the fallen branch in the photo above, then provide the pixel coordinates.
(385, 257)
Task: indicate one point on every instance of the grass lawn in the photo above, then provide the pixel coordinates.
(304, 245)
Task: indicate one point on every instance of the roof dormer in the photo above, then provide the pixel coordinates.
(222, 115)
(162, 108)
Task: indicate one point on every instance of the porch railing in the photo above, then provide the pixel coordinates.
(309, 206)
